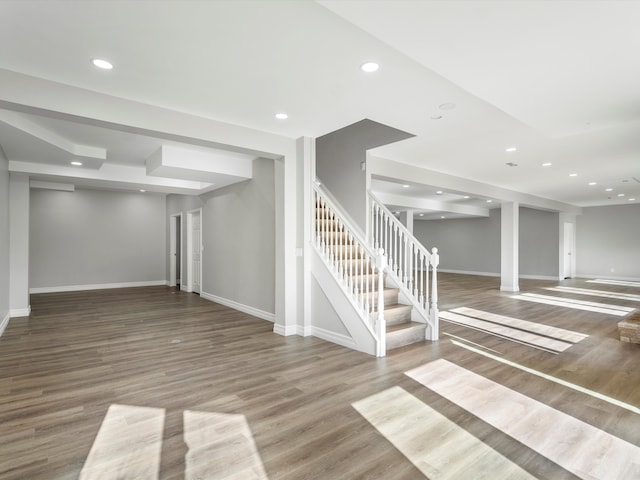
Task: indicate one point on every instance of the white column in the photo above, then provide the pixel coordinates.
(509, 247)
(19, 245)
(286, 253)
(306, 173)
(566, 245)
(406, 218)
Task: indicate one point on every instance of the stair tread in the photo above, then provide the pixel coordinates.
(394, 306)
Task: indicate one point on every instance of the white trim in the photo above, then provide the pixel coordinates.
(304, 331)
(609, 277)
(256, 312)
(285, 331)
(334, 337)
(20, 312)
(539, 277)
(98, 286)
(489, 274)
(468, 272)
(4, 323)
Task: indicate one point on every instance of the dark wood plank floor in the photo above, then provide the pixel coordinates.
(79, 353)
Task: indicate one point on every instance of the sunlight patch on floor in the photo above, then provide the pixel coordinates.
(128, 445)
(595, 293)
(576, 446)
(617, 310)
(437, 447)
(221, 446)
(622, 283)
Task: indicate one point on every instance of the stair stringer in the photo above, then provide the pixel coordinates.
(362, 336)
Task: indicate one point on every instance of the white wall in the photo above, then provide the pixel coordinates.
(238, 224)
(96, 237)
(608, 242)
(4, 241)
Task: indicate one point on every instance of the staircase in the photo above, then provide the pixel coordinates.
(360, 270)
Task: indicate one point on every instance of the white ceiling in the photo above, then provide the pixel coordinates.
(556, 79)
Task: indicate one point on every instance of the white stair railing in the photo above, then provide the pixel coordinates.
(357, 268)
(409, 262)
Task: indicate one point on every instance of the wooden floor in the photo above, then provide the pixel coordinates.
(155, 383)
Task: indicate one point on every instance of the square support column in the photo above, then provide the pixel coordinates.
(19, 245)
(509, 247)
(406, 218)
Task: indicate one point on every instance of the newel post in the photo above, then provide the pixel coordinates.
(433, 311)
(381, 327)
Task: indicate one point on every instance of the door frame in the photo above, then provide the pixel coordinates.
(188, 285)
(173, 249)
(568, 264)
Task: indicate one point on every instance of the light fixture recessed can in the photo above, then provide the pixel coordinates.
(405, 186)
(510, 149)
(573, 174)
(439, 192)
(282, 116)
(608, 189)
(591, 184)
(77, 164)
(101, 63)
(547, 164)
(142, 190)
(369, 67)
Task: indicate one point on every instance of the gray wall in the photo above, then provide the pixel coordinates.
(473, 244)
(464, 244)
(338, 158)
(539, 242)
(608, 242)
(90, 237)
(4, 237)
(239, 240)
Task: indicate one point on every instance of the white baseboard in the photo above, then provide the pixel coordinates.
(4, 323)
(98, 286)
(285, 331)
(333, 337)
(492, 274)
(304, 331)
(20, 312)
(608, 277)
(271, 317)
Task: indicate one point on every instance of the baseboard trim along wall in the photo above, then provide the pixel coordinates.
(285, 331)
(20, 312)
(256, 312)
(99, 286)
(4, 323)
(491, 274)
(333, 337)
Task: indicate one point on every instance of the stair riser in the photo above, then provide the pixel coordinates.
(398, 315)
(400, 338)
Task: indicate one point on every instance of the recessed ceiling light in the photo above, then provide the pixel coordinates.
(405, 186)
(282, 116)
(621, 194)
(369, 67)
(573, 174)
(142, 191)
(592, 183)
(510, 149)
(547, 164)
(103, 64)
(447, 106)
(396, 213)
(608, 189)
(441, 216)
(489, 201)
(632, 199)
(466, 196)
(439, 192)
(78, 164)
(421, 214)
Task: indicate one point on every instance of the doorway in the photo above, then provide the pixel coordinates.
(567, 250)
(175, 250)
(194, 251)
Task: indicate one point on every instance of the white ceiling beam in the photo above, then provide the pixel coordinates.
(414, 203)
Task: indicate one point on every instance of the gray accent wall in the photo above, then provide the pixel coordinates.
(4, 236)
(608, 242)
(338, 162)
(239, 240)
(539, 242)
(464, 244)
(473, 244)
(93, 237)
